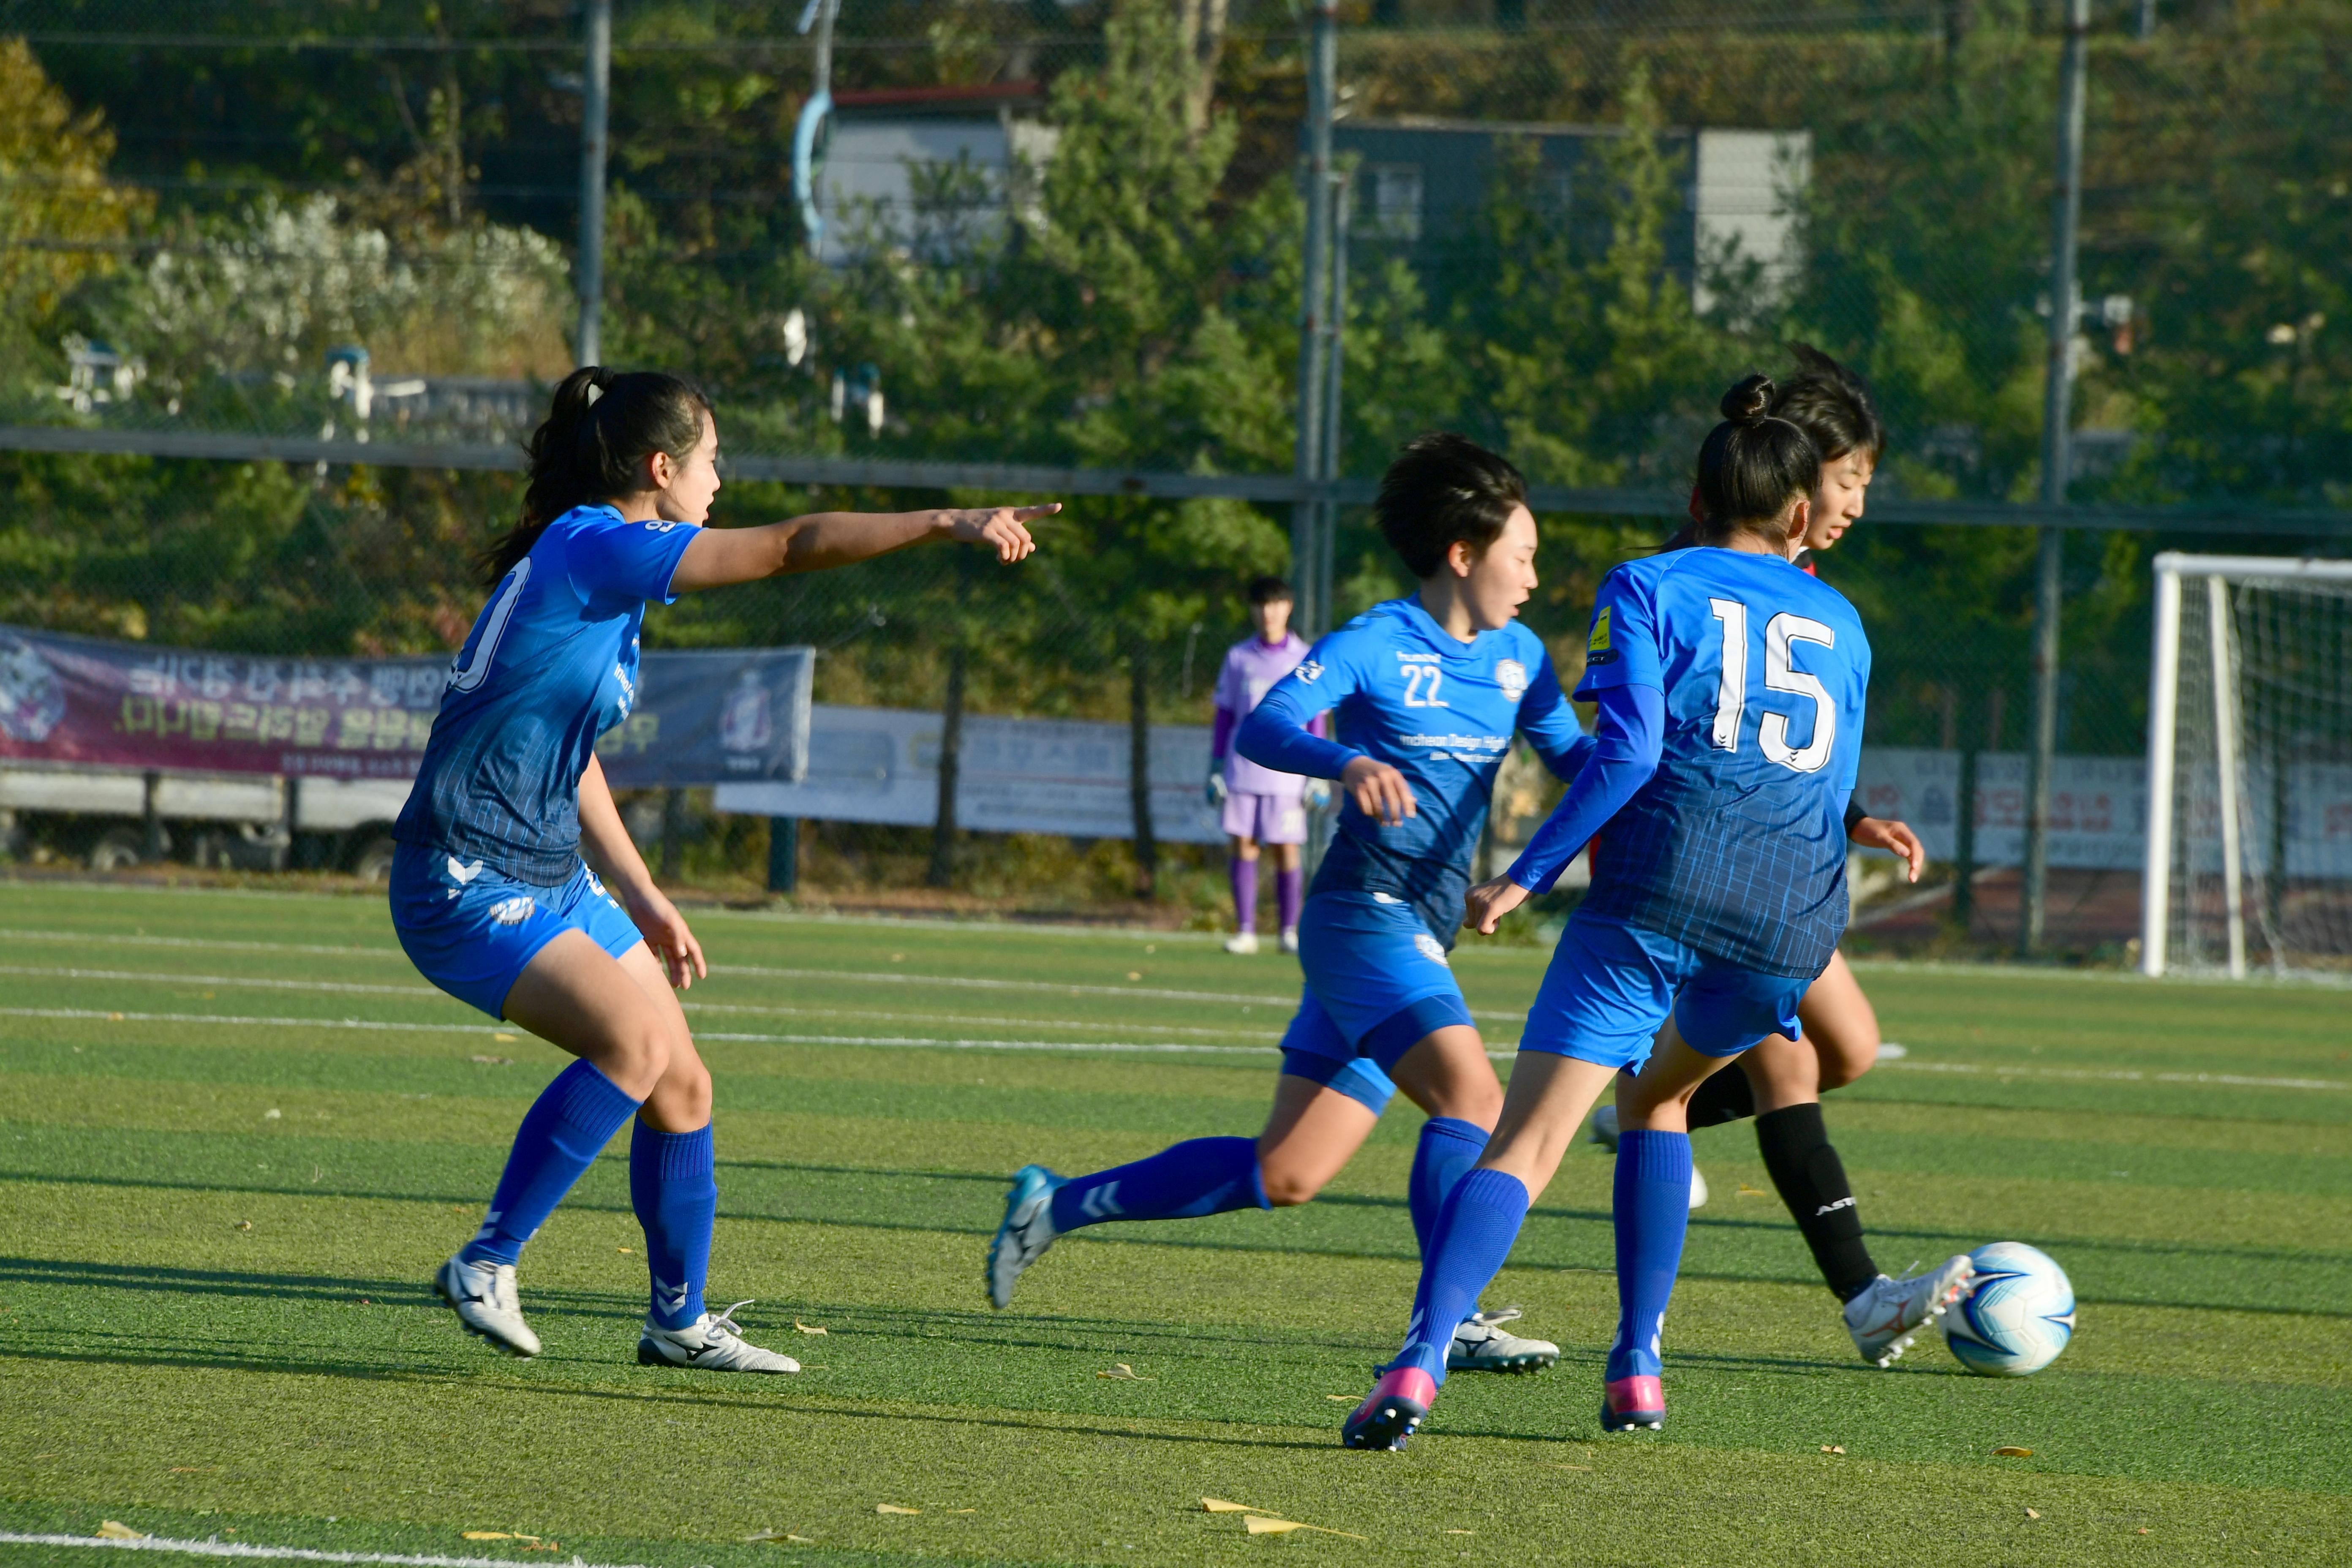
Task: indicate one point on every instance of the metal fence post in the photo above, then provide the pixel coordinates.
(596, 82)
(1322, 74)
(2056, 460)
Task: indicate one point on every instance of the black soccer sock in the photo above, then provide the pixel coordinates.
(1811, 1180)
(1728, 1096)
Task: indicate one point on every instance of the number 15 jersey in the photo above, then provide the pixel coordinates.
(1736, 844)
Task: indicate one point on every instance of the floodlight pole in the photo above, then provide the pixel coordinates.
(597, 91)
(2057, 409)
(1305, 551)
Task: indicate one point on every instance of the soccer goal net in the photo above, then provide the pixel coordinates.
(2250, 766)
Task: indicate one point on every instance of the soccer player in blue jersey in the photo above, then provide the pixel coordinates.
(515, 887)
(1730, 691)
(1429, 691)
(1781, 1082)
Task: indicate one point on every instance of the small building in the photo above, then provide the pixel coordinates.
(1419, 183)
(928, 168)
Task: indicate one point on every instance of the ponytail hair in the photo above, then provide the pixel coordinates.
(1831, 404)
(1753, 465)
(593, 445)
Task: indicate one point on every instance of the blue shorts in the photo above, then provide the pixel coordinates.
(1610, 986)
(1377, 984)
(470, 931)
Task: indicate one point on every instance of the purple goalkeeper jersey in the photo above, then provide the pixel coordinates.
(1252, 667)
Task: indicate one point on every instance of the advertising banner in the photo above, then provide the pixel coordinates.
(703, 717)
(1017, 775)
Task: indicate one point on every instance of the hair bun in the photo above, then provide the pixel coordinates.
(1748, 400)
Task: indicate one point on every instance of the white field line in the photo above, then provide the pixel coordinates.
(2118, 1075)
(884, 977)
(234, 981)
(274, 1553)
(1151, 1047)
(1145, 1047)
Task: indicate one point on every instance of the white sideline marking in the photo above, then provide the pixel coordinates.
(2121, 1075)
(252, 982)
(885, 1041)
(281, 1553)
(233, 982)
(116, 939)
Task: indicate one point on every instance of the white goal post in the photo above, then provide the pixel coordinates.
(2249, 765)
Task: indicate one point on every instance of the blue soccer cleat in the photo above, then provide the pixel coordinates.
(1026, 1232)
(1394, 1410)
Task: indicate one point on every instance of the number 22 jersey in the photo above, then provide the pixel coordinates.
(1736, 844)
(550, 664)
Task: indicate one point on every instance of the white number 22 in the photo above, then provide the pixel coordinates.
(1414, 694)
(1780, 674)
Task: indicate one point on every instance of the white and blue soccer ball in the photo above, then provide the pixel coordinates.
(2019, 1316)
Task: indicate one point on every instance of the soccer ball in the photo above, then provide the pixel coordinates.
(2019, 1316)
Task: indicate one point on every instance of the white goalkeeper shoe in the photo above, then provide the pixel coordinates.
(1242, 942)
(1886, 1317)
(712, 1342)
(484, 1298)
(1604, 1132)
(1481, 1345)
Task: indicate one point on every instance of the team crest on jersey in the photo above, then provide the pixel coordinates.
(1512, 677)
(1309, 671)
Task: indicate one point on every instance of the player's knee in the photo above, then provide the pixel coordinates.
(1846, 1057)
(639, 1059)
(1287, 1189)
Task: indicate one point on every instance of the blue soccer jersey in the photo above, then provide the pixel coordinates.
(1736, 844)
(1440, 710)
(550, 664)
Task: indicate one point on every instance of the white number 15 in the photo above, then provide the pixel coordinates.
(1780, 674)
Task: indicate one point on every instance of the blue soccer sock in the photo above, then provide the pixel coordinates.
(561, 1136)
(1475, 1226)
(676, 1194)
(1204, 1177)
(1652, 1205)
(1449, 1146)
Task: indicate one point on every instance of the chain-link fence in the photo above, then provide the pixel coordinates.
(1067, 236)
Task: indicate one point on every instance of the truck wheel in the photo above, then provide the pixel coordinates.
(373, 862)
(117, 848)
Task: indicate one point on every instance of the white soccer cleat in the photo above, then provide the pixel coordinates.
(1604, 1128)
(710, 1344)
(1024, 1233)
(1699, 1189)
(1290, 939)
(1885, 1317)
(484, 1298)
(1242, 942)
(1481, 1345)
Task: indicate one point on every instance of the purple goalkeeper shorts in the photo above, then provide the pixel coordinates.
(1268, 818)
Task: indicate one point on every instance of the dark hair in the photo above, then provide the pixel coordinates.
(602, 426)
(1269, 591)
(1831, 404)
(1444, 489)
(1753, 464)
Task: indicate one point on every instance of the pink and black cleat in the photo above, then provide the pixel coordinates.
(1394, 1409)
(1633, 1404)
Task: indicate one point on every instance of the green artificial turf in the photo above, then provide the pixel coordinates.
(238, 1133)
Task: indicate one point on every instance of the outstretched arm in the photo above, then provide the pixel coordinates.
(823, 540)
(1632, 734)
